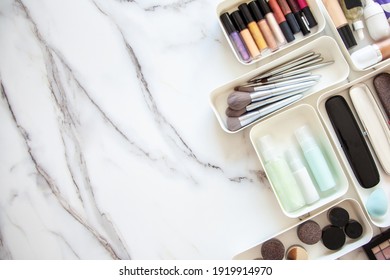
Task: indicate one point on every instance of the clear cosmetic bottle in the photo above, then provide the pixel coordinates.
(280, 175)
(353, 11)
(315, 158)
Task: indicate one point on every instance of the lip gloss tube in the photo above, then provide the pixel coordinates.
(253, 27)
(292, 22)
(245, 34)
(336, 14)
(308, 14)
(273, 24)
(281, 20)
(235, 38)
(299, 16)
(263, 25)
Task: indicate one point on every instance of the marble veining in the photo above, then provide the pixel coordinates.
(109, 148)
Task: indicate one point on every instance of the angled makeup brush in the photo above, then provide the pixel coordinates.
(255, 105)
(278, 84)
(235, 124)
(238, 100)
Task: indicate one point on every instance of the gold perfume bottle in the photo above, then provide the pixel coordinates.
(353, 11)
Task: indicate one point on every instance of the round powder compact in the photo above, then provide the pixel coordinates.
(272, 249)
(353, 229)
(338, 216)
(333, 237)
(309, 232)
(296, 252)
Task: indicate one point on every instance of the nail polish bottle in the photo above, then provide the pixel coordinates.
(273, 24)
(263, 25)
(245, 34)
(280, 175)
(292, 22)
(315, 158)
(235, 38)
(281, 20)
(253, 27)
(353, 11)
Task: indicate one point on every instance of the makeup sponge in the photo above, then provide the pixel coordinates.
(377, 203)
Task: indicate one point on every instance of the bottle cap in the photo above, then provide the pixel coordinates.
(347, 36)
(227, 23)
(294, 160)
(305, 138)
(238, 21)
(358, 26)
(256, 11)
(246, 14)
(264, 7)
(366, 56)
(267, 148)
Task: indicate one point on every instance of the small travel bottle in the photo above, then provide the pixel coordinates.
(353, 11)
(315, 158)
(308, 189)
(245, 34)
(253, 27)
(235, 38)
(280, 175)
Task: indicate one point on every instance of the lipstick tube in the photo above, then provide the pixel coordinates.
(308, 14)
(336, 14)
(263, 25)
(235, 38)
(281, 20)
(292, 22)
(245, 34)
(273, 24)
(253, 27)
(299, 16)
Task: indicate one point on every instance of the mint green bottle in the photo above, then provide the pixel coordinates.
(279, 174)
(315, 159)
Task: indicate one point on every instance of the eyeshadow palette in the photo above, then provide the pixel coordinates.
(379, 247)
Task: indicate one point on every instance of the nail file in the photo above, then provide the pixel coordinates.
(373, 123)
(352, 142)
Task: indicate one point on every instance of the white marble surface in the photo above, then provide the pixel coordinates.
(108, 146)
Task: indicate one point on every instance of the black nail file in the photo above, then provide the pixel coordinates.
(352, 141)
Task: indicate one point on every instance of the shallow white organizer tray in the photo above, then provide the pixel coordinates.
(318, 251)
(347, 53)
(286, 123)
(384, 183)
(331, 75)
(232, 5)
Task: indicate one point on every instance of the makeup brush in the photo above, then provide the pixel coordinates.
(256, 84)
(255, 105)
(234, 124)
(238, 100)
(292, 81)
(285, 66)
(295, 72)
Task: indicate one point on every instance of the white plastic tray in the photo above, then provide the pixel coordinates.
(318, 251)
(232, 5)
(287, 122)
(331, 75)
